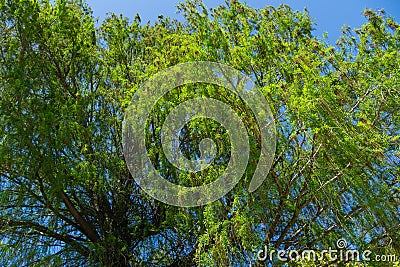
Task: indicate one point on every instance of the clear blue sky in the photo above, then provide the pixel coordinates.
(329, 15)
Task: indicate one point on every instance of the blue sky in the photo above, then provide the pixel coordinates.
(329, 15)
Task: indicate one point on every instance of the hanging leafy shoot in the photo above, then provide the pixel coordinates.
(68, 199)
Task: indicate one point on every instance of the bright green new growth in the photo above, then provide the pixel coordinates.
(68, 199)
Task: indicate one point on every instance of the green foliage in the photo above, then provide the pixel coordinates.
(67, 198)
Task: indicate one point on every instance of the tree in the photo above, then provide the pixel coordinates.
(68, 199)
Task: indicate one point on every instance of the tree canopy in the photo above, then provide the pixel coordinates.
(68, 199)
